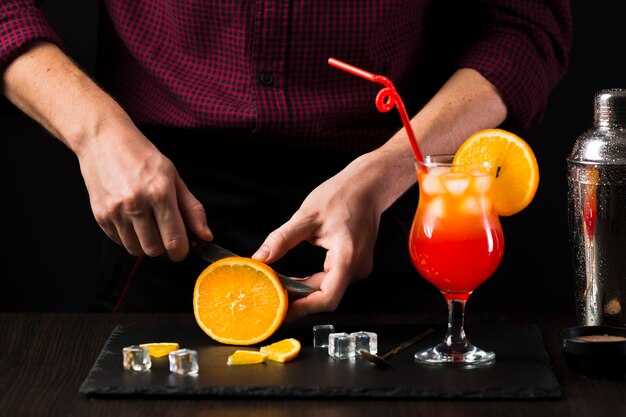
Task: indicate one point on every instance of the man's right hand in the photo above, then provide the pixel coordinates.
(136, 194)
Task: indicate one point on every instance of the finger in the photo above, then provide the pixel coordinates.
(332, 283)
(109, 229)
(128, 237)
(282, 240)
(297, 311)
(170, 224)
(147, 232)
(136, 219)
(120, 230)
(192, 212)
(313, 281)
(328, 298)
(317, 302)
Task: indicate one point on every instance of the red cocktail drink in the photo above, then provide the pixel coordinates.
(456, 243)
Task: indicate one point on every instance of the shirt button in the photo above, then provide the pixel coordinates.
(266, 78)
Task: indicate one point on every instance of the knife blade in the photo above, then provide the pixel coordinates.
(212, 252)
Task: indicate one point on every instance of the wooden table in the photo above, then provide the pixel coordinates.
(44, 357)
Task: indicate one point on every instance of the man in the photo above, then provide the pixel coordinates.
(223, 119)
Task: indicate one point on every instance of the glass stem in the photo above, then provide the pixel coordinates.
(455, 336)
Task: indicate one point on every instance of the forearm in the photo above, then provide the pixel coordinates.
(45, 84)
(465, 104)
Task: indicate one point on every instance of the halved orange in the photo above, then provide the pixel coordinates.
(246, 357)
(517, 172)
(239, 301)
(160, 349)
(282, 351)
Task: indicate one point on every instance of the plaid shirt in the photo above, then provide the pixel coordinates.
(260, 67)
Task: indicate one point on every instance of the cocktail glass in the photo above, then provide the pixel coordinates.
(456, 243)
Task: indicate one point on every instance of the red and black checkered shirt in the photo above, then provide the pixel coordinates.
(261, 66)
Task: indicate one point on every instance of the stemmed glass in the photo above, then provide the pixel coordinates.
(456, 243)
(456, 240)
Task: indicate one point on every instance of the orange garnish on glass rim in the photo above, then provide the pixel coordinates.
(517, 172)
(239, 301)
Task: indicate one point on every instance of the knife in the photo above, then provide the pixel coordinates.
(211, 252)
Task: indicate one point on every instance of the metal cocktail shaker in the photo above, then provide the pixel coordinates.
(597, 213)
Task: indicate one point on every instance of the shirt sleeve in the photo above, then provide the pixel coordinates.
(21, 23)
(522, 48)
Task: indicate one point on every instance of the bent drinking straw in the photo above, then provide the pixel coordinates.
(385, 100)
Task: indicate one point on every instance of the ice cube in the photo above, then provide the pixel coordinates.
(431, 185)
(483, 183)
(438, 171)
(136, 358)
(456, 186)
(341, 345)
(321, 333)
(184, 361)
(471, 205)
(366, 341)
(437, 207)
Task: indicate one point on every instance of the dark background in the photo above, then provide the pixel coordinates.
(51, 244)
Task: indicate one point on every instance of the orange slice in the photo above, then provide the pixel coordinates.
(239, 301)
(246, 357)
(282, 351)
(517, 172)
(160, 349)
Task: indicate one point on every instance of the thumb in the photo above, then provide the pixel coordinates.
(280, 241)
(192, 211)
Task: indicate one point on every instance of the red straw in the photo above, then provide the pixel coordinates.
(385, 99)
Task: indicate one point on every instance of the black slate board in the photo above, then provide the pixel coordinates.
(522, 368)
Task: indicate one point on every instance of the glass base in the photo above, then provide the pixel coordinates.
(469, 357)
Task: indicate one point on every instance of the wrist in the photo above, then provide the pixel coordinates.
(389, 172)
(103, 122)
